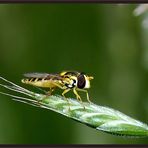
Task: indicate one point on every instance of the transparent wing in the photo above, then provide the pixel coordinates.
(36, 75)
(46, 76)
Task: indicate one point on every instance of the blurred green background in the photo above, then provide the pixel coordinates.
(103, 40)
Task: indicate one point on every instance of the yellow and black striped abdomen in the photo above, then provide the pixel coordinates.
(39, 82)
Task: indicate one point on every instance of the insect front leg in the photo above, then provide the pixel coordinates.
(77, 95)
(87, 95)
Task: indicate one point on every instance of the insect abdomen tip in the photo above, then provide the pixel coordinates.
(23, 80)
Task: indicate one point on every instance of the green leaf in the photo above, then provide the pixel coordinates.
(99, 117)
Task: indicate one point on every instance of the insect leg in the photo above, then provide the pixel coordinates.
(63, 94)
(58, 85)
(50, 91)
(87, 95)
(40, 89)
(65, 91)
(77, 95)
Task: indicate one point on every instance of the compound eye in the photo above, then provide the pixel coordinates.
(81, 81)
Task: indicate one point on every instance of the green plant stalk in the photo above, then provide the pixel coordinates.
(98, 117)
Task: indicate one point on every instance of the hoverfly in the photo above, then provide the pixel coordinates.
(67, 80)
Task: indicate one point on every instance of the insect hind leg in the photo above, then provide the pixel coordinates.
(46, 92)
(41, 89)
(49, 93)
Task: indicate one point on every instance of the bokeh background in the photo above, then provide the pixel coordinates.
(107, 41)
